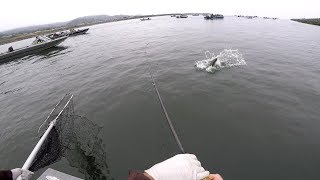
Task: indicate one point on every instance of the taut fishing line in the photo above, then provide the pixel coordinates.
(176, 137)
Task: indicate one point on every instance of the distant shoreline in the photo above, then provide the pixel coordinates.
(22, 36)
(314, 21)
(19, 37)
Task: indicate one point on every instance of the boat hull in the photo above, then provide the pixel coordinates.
(18, 53)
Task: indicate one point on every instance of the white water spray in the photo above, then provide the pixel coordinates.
(226, 58)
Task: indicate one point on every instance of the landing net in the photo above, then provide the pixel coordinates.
(75, 138)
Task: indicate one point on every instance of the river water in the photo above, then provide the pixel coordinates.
(259, 120)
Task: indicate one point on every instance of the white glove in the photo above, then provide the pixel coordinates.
(25, 174)
(179, 167)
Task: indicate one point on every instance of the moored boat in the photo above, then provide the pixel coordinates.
(58, 35)
(207, 17)
(39, 44)
(145, 19)
(183, 16)
(214, 16)
(78, 32)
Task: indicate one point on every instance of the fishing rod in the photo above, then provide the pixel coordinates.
(176, 137)
(174, 133)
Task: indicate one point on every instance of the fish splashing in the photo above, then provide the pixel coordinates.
(226, 58)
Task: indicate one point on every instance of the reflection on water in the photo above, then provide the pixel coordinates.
(54, 51)
(50, 53)
(16, 60)
(39, 56)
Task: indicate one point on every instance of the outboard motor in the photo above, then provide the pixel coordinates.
(10, 49)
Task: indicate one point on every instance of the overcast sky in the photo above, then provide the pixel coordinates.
(19, 13)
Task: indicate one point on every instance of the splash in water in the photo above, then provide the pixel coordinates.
(226, 58)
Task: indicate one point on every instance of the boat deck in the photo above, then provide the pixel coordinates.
(57, 174)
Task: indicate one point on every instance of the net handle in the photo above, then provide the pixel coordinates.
(36, 149)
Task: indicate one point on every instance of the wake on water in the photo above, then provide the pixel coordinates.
(226, 58)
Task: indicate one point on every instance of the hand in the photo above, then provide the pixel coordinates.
(215, 177)
(179, 167)
(25, 174)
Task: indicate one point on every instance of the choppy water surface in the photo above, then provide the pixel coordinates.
(256, 120)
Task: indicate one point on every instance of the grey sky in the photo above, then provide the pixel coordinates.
(18, 13)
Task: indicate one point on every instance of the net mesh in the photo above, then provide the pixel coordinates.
(75, 138)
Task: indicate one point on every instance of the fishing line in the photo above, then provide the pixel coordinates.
(176, 137)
